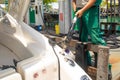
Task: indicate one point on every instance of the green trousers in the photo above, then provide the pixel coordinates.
(90, 25)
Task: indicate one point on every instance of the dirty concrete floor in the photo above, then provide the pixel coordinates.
(115, 61)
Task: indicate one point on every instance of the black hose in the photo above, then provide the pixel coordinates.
(53, 44)
(80, 32)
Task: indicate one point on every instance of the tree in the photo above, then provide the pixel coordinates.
(48, 1)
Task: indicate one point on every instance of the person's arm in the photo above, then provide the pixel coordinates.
(87, 6)
(74, 5)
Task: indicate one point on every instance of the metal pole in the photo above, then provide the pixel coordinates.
(114, 9)
(67, 15)
(119, 7)
(61, 15)
(111, 11)
(64, 15)
(107, 10)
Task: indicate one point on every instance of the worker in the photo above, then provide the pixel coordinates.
(88, 12)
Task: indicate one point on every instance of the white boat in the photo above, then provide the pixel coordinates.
(26, 54)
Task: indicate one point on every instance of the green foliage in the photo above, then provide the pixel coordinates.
(48, 1)
(104, 3)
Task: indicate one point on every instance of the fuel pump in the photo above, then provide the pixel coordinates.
(36, 13)
(6, 4)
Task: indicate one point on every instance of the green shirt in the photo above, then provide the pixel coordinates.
(98, 2)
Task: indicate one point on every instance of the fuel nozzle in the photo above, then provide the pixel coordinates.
(74, 19)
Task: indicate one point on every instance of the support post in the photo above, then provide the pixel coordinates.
(102, 66)
(81, 56)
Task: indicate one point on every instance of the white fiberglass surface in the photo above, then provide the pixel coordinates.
(19, 40)
(69, 69)
(10, 49)
(6, 56)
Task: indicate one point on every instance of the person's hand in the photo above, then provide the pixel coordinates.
(79, 13)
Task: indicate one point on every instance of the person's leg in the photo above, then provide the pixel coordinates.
(83, 34)
(94, 26)
(83, 31)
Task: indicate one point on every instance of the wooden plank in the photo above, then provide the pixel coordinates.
(73, 43)
(92, 47)
(61, 40)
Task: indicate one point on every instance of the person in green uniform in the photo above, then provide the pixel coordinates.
(88, 12)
